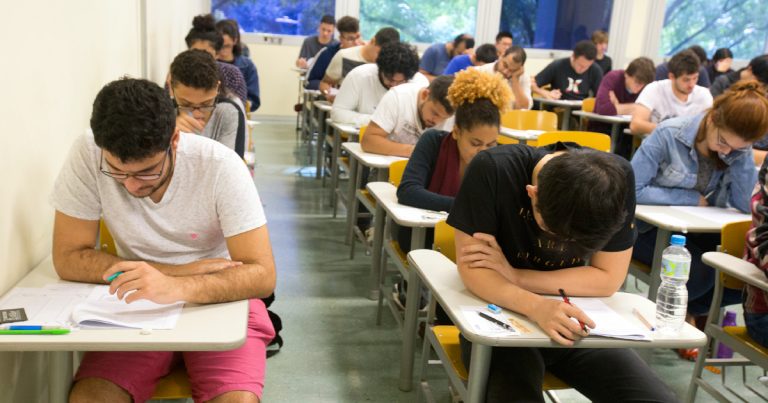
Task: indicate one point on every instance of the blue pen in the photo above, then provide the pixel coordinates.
(114, 276)
(33, 327)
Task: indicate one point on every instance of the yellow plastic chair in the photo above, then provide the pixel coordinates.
(444, 339)
(396, 170)
(588, 105)
(733, 272)
(527, 120)
(175, 385)
(598, 141)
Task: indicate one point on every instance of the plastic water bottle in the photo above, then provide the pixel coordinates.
(672, 298)
(724, 351)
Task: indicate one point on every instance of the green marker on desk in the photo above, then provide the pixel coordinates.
(114, 276)
(41, 331)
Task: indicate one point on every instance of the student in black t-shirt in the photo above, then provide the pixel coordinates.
(571, 78)
(527, 220)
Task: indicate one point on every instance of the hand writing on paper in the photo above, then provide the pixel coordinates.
(555, 318)
(189, 124)
(554, 94)
(487, 255)
(142, 281)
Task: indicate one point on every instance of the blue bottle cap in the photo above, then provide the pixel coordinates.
(678, 240)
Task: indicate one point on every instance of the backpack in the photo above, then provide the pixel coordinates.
(277, 343)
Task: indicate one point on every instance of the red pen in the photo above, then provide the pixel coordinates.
(567, 301)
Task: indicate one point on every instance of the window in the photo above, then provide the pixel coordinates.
(554, 24)
(417, 20)
(284, 17)
(738, 25)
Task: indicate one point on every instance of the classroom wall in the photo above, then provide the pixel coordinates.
(62, 54)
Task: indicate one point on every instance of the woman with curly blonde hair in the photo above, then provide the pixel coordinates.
(434, 171)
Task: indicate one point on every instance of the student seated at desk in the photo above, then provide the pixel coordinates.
(436, 57)
(365, 85)
(349, 36)
(434, 172)
(313, 44)
(511, 65)
(484, 54)
(527, 220)
(702, 160)
(571, 78)
(676, 96)
(232, 52)
(200, 108)
(189, 226)
(663, 70)
(755, 299)
(404, 113)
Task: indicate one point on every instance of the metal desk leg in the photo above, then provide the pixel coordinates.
(59, 376)
(478, 372)
(354, 166)
(335, 169)
(320, 145)
(377, 270)
(615, 135)
(662, 237)
(566, 118)
(411, 315)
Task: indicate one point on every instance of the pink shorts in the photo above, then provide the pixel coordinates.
(211, 373)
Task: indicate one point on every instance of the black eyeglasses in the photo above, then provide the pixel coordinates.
(206, 109)
(141, 177)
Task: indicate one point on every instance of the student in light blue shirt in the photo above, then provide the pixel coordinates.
(436, 57)
(483, 55)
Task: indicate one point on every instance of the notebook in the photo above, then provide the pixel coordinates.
(100, 309)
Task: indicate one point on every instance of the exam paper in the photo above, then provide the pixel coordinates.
(608, 323)
(100, 309)
(719, 215)
(51, 305)
(485, 327)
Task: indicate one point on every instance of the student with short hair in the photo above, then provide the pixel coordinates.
(676, 96)
(436, 57)
(349, 36)
(200, 108)
(189, 226)
(232, 52)
(600, 39)
(484, 54)
(662, 70)
(511, 65)
(757, 69)
(365, 85)
(313, 44)
(720, 64)
(404, 113)
(504, 40)
(527, 220)
(702, 160)
(571, 78)
(344, 61)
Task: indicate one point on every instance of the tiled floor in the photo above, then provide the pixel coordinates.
(333, 350)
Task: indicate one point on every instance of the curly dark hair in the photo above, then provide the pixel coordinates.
(204, 29)
(684, 62)
(398, 57)
(133, 119)
(588, 219)
(195, 68)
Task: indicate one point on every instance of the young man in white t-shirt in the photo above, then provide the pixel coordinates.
(512, 66)
(354, 56)
(363, 88)
(404, 113)
(677, 96)
(188, 225)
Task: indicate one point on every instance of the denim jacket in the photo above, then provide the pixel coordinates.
(666, 167)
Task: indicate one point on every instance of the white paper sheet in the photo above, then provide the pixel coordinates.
(719, 215)
(101, 309)
(608, 323)
(51, 305)
(486, 327)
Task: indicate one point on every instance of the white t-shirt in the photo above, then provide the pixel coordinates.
(360, 94)
(335, 67)
(663, 104)
(398, 115)
(525, 82)
(211, 197)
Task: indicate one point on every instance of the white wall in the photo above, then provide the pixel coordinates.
(62, 54)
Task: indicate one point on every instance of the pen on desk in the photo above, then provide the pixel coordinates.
(642, 319)
(567, 301)
(42, 331)
(31, 327)
(114, 276)
(496, 321)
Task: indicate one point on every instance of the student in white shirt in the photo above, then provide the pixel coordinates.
(365, 85)
(404, 113)
(677, 96)
(512, 67)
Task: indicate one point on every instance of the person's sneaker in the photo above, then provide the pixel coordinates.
(689, 354)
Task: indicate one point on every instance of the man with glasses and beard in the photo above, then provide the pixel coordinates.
(364, 86)
(188, 225)
(201, 108)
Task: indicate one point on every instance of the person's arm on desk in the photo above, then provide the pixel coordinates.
(553, 316)
(521, 92)
(641, 120)
(645, 164)
(376, 141)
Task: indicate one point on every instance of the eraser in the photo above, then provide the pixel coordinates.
(145, 331)
(494, 309)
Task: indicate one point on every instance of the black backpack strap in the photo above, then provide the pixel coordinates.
(240, 137)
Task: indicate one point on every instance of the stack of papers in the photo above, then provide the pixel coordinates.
(101, 309)
(608, 323)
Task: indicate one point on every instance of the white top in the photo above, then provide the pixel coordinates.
(525, 82)
(406, 216)
(334, 70)
(369, 159)
(441, 276)
(211, 197)
(398, 113)
(663, 104)
(360, 94)
(527, 135)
